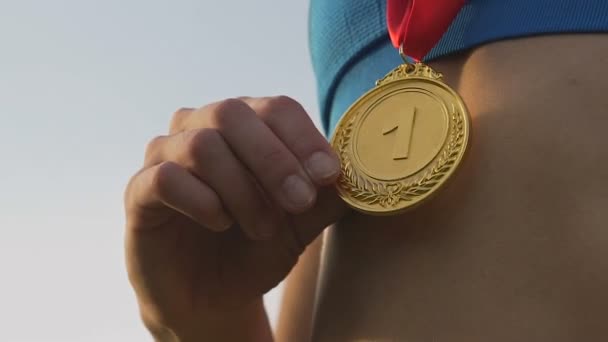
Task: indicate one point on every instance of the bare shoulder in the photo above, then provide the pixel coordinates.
(516, 247)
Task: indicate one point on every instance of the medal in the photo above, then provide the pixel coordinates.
(401, 141)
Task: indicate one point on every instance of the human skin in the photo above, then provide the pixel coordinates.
(515, 248)
(215, 218)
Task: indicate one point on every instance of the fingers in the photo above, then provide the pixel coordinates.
(272, 164)
(292, 125)
(169, 185)
(279, 144)
(205, 154)
(245, 157)
(327, 210)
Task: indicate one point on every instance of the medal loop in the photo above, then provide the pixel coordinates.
(406, 59)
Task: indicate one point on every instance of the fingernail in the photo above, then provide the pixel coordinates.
(298, 192)
(322, 166)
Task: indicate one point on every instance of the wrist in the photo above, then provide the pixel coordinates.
(245, 324)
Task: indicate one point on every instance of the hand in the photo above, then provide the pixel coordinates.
(223, 207)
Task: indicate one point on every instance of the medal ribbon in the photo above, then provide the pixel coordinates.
(417, 25)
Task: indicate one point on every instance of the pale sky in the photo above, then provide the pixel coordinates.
(83, 86)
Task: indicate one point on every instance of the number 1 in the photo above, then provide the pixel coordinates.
(403, 129)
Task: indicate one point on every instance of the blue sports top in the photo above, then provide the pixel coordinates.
(350, 46)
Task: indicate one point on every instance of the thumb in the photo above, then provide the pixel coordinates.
(328, 209)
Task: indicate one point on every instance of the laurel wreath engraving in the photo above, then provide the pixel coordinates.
(389, 194)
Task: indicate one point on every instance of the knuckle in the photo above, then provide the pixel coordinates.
(127, 195)
(282, 102)
(201, 143)
(278, 105)
(161, 179)
(153, 146)
(277, 164)
(178, 117)
(227, 112)
(276, 108)
(244, 98)
(274, 157)
(305, 145)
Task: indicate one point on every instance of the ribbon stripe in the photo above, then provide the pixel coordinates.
(418, 25)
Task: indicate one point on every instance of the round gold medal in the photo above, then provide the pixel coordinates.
(401, 141)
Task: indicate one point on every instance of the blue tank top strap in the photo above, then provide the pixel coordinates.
(343, 32)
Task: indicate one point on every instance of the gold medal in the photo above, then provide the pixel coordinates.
(400, 142)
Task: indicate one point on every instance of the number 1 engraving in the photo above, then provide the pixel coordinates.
(403, 129)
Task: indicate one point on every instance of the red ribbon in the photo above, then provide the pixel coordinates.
(418, 25)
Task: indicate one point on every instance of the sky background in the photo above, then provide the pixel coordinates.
(83, 86)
